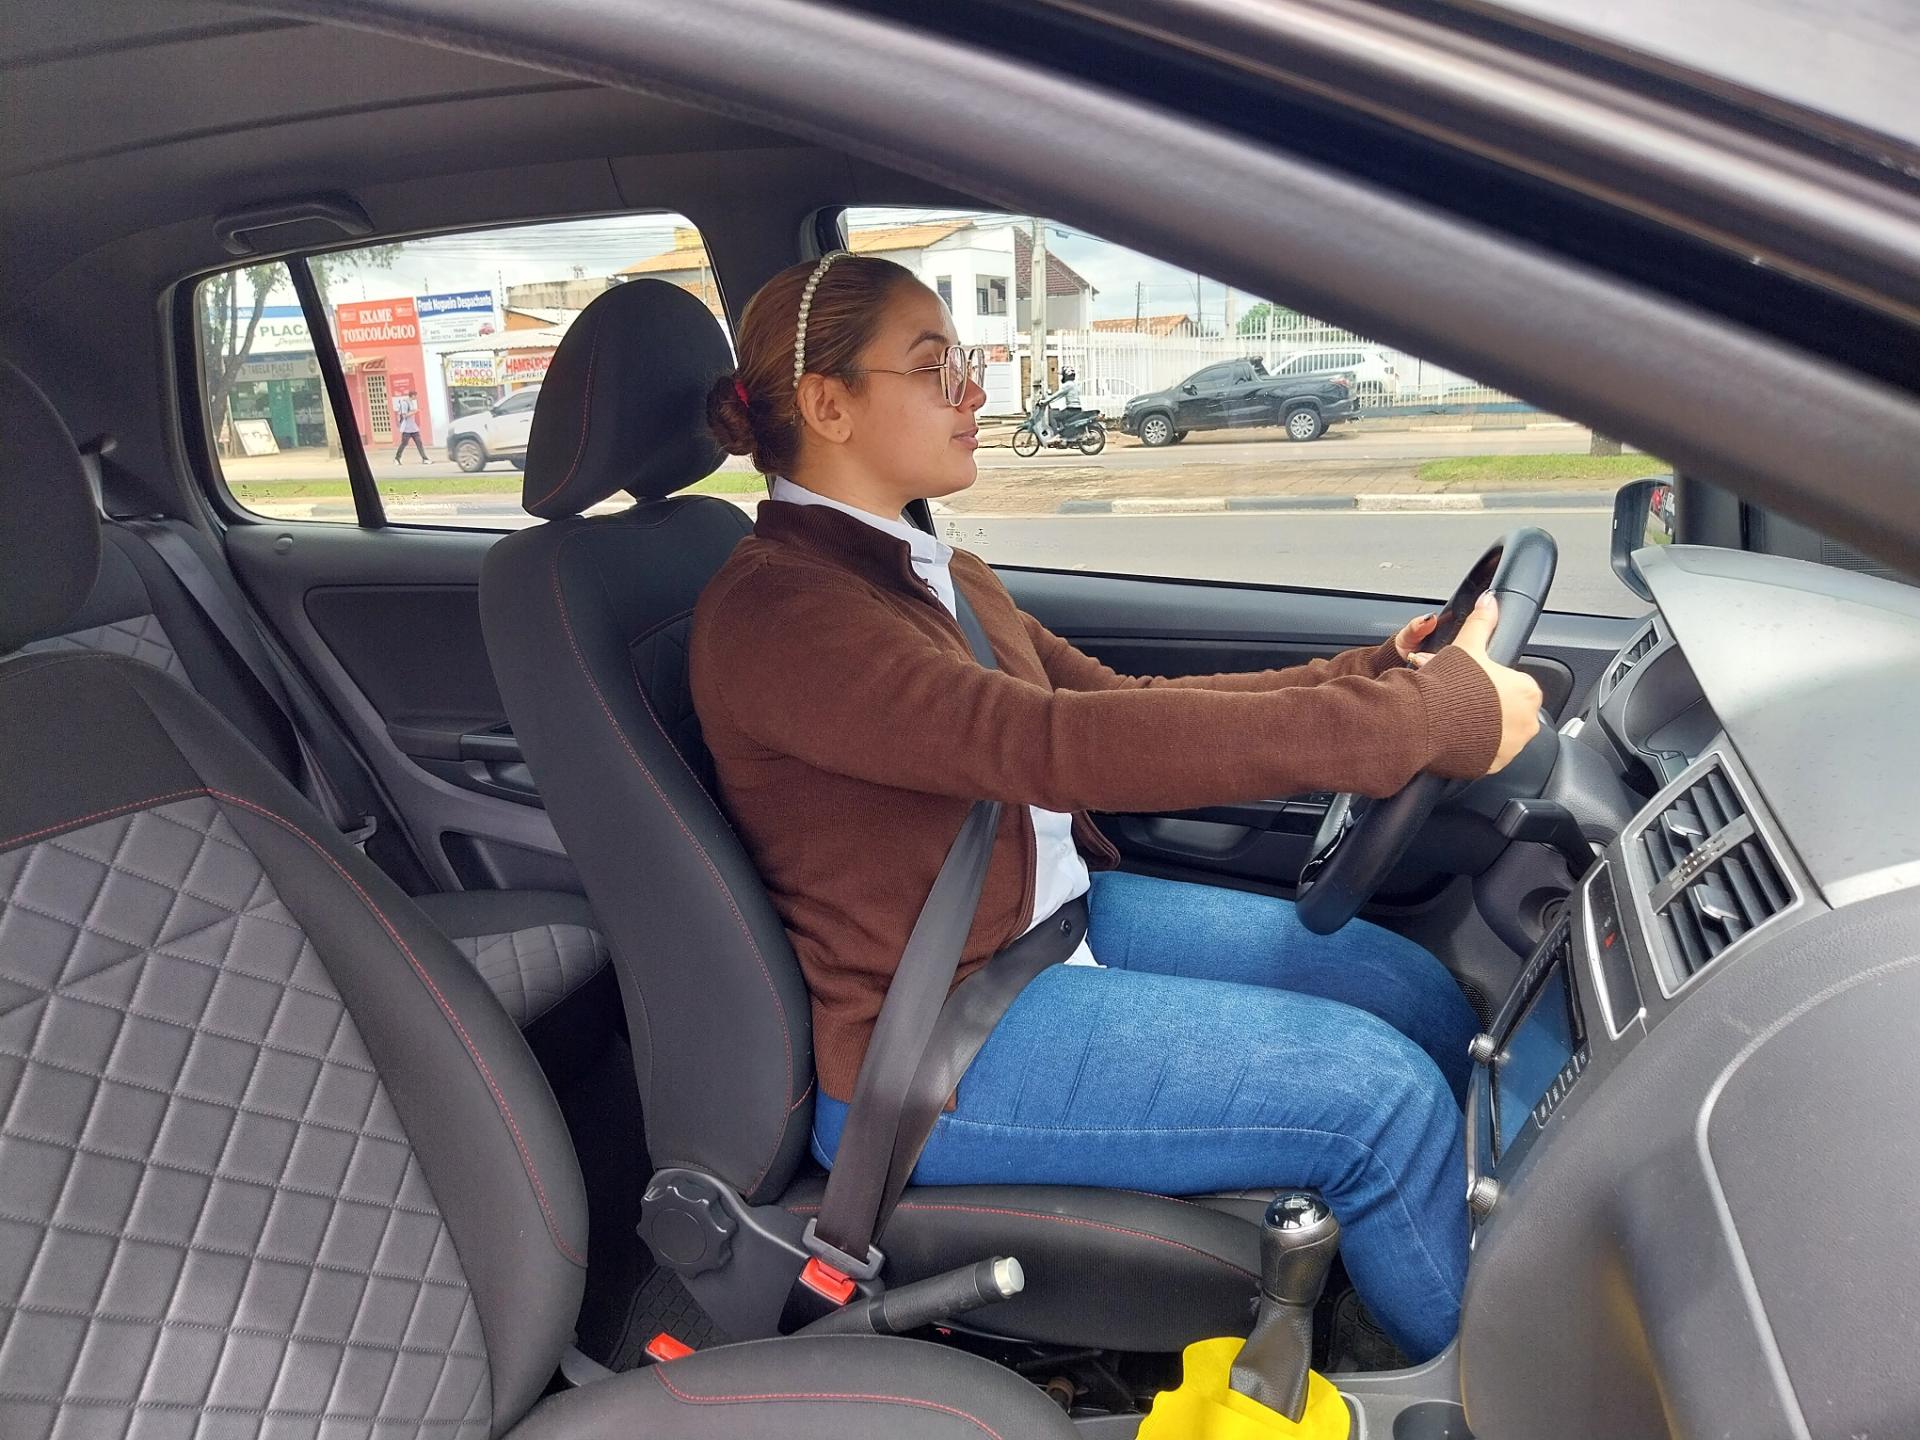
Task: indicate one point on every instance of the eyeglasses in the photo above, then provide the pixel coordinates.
(960, 366)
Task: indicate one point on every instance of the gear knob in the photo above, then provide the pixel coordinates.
(1297, 1245)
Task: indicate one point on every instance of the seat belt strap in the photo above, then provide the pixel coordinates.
(188, 567)
(916, 1051)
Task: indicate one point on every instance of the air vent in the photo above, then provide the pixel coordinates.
(1715, 880)
(1635, 653)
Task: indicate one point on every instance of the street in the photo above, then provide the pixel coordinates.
(1422, 556)
(1339, 444)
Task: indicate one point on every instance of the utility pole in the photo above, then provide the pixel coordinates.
(1230, 329)
(1139, 287)
(1037, 309)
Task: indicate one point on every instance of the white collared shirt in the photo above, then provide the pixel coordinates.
(1059, 873)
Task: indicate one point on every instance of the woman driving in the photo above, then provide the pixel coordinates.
(1200, 1039)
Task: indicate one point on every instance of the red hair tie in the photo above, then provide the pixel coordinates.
(741, 391)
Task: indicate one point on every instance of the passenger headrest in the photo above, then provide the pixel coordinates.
(49, 524)
(624, 404)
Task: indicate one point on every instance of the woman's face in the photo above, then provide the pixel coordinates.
(901, 432)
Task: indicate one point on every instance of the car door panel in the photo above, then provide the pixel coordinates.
(387, 623)
(1166, 627)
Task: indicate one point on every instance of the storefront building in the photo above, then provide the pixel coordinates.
(279, 381)
(380, 351)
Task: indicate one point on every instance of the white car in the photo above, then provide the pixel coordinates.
(477, 440)
(1375, 381)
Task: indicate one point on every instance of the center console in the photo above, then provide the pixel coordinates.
(1578, 987)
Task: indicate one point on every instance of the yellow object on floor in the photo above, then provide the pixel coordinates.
(1205, 1407)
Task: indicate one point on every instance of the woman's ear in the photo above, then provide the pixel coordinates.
(822, 403)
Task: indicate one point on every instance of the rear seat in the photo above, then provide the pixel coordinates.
(539, 950)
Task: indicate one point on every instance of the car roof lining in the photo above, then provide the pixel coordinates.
(858, 87)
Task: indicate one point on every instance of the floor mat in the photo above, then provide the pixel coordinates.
(1355, 1341)
(663, 1303)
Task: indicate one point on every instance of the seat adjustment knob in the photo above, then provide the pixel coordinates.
(687, 1226)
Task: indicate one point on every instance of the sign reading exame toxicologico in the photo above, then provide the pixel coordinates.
(371, 324)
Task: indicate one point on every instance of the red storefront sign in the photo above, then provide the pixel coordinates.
(380, 346)
(524, 367)
(378, 324)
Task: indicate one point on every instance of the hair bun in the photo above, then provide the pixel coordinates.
(728, 418)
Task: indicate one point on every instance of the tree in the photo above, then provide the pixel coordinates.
(229, 325)
(225, 339)
(1264, 316)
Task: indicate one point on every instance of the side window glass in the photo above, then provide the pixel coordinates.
(443, 342)
(1329, 481)
(269, 429)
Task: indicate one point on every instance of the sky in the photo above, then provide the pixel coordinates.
(497, 258)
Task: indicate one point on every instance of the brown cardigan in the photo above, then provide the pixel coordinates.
(851, 730)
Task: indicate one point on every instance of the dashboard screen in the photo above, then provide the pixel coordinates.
(1541, 1044)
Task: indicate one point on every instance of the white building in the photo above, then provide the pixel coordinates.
(982, 269)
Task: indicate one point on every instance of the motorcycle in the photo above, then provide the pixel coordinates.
(1083, 432)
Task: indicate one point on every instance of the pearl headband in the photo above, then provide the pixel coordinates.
(806, 307)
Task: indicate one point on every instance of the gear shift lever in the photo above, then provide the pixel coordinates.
(1297, 1245)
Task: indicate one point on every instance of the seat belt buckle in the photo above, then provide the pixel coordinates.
(663, 1347)
(867, 1269)
(827, 1282)
(820, 1290)
(360, 834)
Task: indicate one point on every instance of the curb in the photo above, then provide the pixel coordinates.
(1560, 500)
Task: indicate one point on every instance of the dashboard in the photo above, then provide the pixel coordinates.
(1693, 1160)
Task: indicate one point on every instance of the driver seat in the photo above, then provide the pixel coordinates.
(586, 620)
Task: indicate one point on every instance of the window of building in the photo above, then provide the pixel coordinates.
(991, 294)
(943, 287)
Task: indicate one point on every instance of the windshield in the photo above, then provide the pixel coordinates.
(1853, 60)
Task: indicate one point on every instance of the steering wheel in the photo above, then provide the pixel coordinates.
(1361, 840)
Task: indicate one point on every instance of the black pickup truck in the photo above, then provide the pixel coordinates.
(1238, 395)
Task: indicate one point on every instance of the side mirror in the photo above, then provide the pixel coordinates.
(1189, 390)
(1645, 512)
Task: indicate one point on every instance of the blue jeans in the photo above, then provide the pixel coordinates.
(1223, 1046)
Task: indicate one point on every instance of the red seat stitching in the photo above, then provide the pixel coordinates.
(660, 1374)
(473, 1050)
(786, 1038)
(131, 805)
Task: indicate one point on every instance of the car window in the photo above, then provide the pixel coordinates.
(268, 427)
(442, 342)
(1395, 489)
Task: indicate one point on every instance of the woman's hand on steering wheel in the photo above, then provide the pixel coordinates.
(1413, 635)
(1520, 697)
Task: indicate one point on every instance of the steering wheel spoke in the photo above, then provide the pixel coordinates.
(1361, 840)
